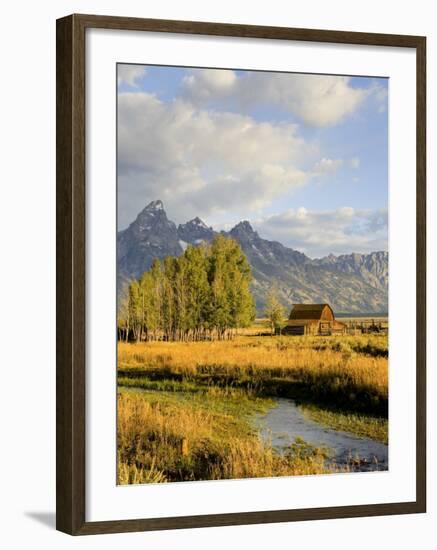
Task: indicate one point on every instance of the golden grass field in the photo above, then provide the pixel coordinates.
(184, 408)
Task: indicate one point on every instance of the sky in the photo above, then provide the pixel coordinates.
(303, 157)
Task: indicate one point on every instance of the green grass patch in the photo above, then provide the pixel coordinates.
(214, 399)
(327, 388)
(373, 427)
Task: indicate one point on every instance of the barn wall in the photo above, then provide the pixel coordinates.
(327, 314)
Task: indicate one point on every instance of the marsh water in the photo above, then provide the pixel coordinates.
(285, 422)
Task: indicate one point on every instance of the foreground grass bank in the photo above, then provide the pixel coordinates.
(175, 436)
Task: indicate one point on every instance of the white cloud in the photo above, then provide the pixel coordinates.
(205, 84)
(319, 100)
(318, 233)
(203, 163)
(327, 166)
(130, 74)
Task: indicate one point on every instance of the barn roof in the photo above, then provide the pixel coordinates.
(300, 322)
(309, 311)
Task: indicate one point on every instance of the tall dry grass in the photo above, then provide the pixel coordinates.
(350, 371)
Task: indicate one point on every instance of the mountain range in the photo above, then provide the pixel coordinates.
(350, 283)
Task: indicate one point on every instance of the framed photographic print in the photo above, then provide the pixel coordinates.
(240, 274)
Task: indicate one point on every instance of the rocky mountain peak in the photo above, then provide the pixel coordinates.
(243, 229)
(151, 235)
(153, 208)
(154, 205)
(152, 217)
(197, 222)
(195, 231)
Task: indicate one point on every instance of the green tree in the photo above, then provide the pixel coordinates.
(206, 291)
(135, 312)
(197, 291)
(274, 310)
(230, 276)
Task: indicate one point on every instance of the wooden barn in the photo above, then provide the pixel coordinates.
(313, 319)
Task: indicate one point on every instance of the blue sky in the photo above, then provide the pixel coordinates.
(303, 157)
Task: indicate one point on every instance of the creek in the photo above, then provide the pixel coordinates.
(285, 422)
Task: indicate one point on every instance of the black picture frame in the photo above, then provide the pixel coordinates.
(70, 257)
